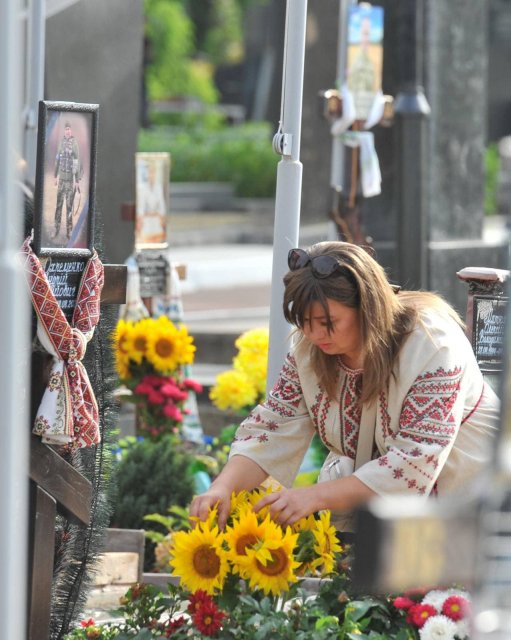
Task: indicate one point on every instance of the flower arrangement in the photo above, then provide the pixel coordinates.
(151, 356)
(437, 614)
(243, 386)
(253, 548)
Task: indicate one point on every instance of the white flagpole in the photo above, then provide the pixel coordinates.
(289, 179)
(14, 339)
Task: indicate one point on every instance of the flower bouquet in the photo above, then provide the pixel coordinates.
(151, 356)
(243, 386)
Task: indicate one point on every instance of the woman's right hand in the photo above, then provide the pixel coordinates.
(219, 496)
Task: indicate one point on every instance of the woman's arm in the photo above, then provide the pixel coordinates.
(239, 473)
(289, 505)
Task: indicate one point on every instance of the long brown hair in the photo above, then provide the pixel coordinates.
(385, 317)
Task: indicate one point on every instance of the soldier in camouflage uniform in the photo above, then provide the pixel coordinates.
(67, 178)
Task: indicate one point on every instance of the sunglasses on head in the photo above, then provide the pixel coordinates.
(321, 266)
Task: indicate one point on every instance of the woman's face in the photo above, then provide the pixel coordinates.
(344, 339)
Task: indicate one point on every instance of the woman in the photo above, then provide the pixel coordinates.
(386, 378)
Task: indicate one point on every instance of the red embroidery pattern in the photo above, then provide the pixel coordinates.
(384, 414)
(426, 418)
(286, 395)
(351, 412)
(319, 410)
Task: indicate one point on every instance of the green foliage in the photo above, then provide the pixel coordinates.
(492, 167)
(172, 71)
(149, 478)
(242, 155)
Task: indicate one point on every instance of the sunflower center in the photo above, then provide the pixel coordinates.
(206, 562)
(163, 347)
(244, 541)
(276, 565)
(140, 343)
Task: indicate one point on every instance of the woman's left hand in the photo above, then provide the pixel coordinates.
(289, 505)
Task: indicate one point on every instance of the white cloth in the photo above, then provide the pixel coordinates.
(427, 440)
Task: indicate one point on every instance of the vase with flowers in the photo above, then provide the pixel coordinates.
(151, 356)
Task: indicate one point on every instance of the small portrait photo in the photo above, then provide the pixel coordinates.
(152, 199)
(65, 178)
(365, 56)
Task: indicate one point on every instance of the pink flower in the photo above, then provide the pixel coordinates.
(455, 608)
(143, 388)
(171, 391)
(193, 385)
(155, 397)
(171, 411)
(402, 602)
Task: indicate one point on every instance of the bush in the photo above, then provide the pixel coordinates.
(149, 478)
(241, 155)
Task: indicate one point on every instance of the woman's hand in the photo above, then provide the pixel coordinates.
(289, 505)
(215, 496)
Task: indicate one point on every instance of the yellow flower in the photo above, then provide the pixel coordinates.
(122, 338)
(139, 339)
(252, 358)
(244, 534)
(122, 366)
(326, 545)
(198, 558)
(277, 573)
(233, 390)
(169, 347)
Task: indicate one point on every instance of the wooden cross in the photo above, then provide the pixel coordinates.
(56, 486)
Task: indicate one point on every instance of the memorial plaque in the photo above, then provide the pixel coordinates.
(489, 321)
(154, 271)
(64, 275)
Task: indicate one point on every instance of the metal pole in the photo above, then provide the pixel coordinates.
(34, 80)
(14, 339)
(289, 179)
(411, 114)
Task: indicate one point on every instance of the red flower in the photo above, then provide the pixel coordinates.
(198, 600)
(208, 619)
(144, 388)
(402, 602)
(456, 607)
(174, 625)
(87, 623)
(171, 411)
(419, 613)
(193, 385)
(155, 397)
(171, 391)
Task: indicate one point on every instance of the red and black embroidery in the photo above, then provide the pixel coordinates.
(351, 412)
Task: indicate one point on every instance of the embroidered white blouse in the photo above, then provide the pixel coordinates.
(434, 421)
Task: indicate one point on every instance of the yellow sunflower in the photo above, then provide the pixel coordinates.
(122, 338)
(122, 366)
(244, 534)
(140, 336)
(169, 347)
(198, 558)
(277, 573)
(326, 545)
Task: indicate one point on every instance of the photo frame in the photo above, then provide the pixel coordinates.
(152, 176)
(65, 187)
(364, 58)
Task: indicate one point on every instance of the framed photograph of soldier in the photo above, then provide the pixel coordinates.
(364, 58)
(152, 175)
(65, 179)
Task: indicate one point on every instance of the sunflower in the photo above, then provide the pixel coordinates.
(123, 338)
(326, 543)
(276, 574)
(140, 335)
(245, 533)
(169, 346)
(198, 558)
(122, 365)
